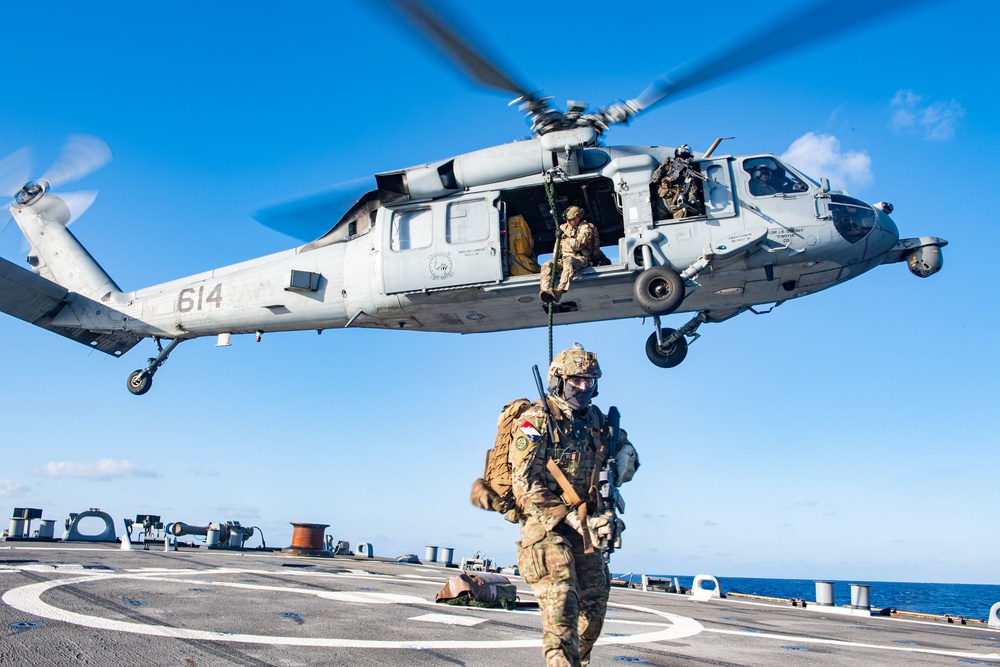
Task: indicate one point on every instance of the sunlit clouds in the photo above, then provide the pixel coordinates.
(934, 121)
(10, 488)
(820, 155)
(239, 511)
(102, 470)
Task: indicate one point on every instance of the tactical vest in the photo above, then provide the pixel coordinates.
(580, 452)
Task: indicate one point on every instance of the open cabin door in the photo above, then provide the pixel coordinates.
(441, 244)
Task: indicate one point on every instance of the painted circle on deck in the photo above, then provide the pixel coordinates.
(28, 599)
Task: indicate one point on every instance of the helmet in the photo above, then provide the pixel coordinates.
(573, 212)
(762, 170)
(683, 151)
(575, 361)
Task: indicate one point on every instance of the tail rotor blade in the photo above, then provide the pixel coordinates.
(81, 155)
(15, 170)
(77, 202)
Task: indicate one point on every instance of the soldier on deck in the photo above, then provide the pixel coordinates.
(563, 519)
(578, 242)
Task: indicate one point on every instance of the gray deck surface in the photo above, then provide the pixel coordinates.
(88, 604)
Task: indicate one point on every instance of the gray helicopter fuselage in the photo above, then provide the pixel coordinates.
(453, 247)
(435, 259)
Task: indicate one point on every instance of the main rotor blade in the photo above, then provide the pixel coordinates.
(446, 36)
(822, 21)
(308, 218)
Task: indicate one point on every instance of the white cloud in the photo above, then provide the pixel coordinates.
(104, 470)
(820, 155)
(935, 121)
(9, 488)
(238, 512)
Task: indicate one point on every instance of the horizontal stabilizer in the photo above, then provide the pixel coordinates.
(37, 301)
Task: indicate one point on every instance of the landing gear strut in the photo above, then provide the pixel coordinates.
(667, 347)
(139, 382)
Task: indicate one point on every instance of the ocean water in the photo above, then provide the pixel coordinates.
(968, 600)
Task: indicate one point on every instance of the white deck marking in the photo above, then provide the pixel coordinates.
(28, 599)
(447, 619)
(795, 639)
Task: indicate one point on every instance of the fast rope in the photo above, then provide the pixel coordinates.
(550, 192)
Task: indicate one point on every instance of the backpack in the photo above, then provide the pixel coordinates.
(493, 491)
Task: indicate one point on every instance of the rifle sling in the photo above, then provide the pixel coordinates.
(573, 498)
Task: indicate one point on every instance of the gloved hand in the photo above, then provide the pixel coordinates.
(559, 232)
(573, 521)
(600, 526)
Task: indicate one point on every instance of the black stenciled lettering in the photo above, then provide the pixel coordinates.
(185, 303)
(215, 296)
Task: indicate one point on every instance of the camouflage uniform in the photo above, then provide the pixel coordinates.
(570, 585)
(578, 244)
(680, 196)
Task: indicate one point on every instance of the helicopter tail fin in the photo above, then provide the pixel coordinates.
(56, 254)
(68, 292)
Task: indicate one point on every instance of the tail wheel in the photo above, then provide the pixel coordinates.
(669, 356)
(659, 290)
(139, 382)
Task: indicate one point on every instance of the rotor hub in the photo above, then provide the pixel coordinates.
(31, 192)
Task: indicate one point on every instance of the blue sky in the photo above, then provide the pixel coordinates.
(849, 435)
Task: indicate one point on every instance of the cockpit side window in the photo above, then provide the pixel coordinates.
(852, 217)
(768, 177)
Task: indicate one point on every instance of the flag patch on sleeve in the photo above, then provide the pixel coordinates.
(529, 430)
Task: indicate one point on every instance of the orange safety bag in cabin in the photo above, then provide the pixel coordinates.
(521, 247)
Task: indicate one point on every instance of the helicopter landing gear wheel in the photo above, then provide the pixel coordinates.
(669, 356)
(659, 290)
(140, 382)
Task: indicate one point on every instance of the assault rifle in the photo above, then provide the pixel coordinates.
(613, 500)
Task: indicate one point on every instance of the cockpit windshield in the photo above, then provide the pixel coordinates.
(768, 176)
(852, 217)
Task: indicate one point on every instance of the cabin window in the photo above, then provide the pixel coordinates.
(468, 221)
(411, 229)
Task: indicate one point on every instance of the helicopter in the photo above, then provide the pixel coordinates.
(431, 247)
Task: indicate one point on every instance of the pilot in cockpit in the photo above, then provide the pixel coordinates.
(760, 181)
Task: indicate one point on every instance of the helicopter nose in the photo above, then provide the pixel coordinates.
(884, 235)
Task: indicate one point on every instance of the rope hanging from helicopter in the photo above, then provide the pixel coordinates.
(550, 192)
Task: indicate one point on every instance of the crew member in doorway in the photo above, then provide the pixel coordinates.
(578, 242)
(677, 187)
